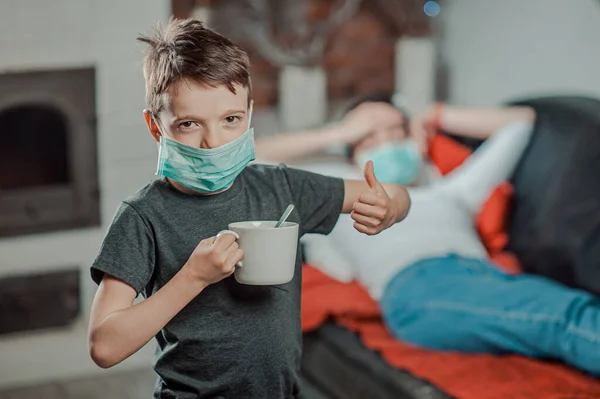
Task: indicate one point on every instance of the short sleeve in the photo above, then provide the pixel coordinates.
(127, 252)
(318, 199)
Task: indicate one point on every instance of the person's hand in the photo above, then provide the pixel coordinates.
(214, 259)
(374, 211)
(423, 127)
(420, 132)
(367, 117)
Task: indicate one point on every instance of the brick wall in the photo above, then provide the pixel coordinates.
(360, 55)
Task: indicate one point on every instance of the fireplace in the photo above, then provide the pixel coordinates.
(48, 160)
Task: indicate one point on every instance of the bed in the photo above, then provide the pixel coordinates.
(347, 353)
(337, 362)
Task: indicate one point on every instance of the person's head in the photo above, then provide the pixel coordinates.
(198, 89)
(396, 158)
(383, 135)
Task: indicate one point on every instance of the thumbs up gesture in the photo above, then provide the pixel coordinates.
(374, 211)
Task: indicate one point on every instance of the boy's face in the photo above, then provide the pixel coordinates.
(202, 116)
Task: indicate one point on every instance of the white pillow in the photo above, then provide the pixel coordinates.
(321, 252)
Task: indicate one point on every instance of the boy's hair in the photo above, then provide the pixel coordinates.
(186, 49)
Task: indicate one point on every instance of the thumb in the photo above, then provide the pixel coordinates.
(370, 177)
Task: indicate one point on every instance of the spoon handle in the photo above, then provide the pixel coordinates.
(285, 215)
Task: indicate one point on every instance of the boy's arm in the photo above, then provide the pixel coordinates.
(287, 147)
(374, 206)
(320, 199)
(118, 328)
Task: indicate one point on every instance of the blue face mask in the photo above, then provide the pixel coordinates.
(205, 170)
(398, 163)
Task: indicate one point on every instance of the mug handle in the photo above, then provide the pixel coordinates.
(233, 233)
(223, 232)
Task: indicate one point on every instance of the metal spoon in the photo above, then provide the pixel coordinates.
(285, 215)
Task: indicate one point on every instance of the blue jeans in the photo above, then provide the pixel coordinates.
(468, 305)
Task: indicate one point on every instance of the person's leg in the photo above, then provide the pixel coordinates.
(468, 305)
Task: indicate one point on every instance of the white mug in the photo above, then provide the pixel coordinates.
(269, 252)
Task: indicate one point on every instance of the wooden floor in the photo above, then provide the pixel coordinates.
(137, 384)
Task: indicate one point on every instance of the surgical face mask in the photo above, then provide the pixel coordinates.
(398, 162)
(206, 171)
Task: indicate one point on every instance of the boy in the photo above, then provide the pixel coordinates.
(216, 338)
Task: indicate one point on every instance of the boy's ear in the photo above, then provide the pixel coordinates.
(152, 127)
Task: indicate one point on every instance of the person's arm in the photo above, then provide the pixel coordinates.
(374, 206)
(469, 122)
(288, 147)
(118, 328)
(481, 123)
(491, 164)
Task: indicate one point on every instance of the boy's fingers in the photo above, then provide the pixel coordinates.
(365, 220)
(364, 229)
(369, 210)
(370, 175)
(233, 252)
(237, 257)
(208, 241)
(223, 241)
(371, 198)
(371, 179)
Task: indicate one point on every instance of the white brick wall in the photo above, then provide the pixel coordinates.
(73, 33)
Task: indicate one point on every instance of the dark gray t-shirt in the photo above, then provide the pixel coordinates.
(232, 340)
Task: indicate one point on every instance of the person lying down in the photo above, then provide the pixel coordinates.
(430, 273)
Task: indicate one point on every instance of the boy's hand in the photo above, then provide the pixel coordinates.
(214, 259)
(374, 211)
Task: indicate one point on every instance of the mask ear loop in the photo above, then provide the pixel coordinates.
(157, 125)
(159, 144)
(250, 116)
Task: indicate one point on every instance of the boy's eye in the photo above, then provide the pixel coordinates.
(187, 124)
(232, 119)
